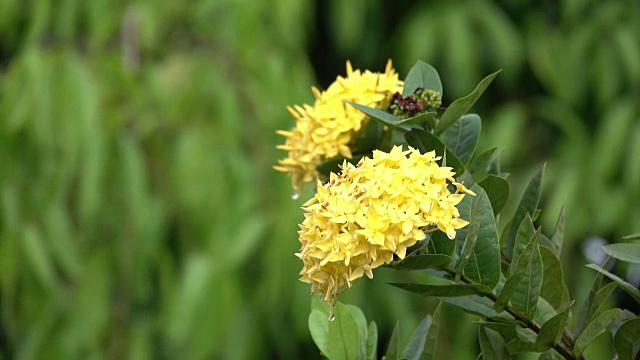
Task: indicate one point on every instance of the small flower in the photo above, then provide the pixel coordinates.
(422, 101)
(370, 212)
(331, 128)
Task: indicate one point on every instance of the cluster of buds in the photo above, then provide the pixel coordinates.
(422, 100)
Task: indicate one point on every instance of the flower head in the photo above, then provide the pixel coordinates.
(331, 127)
(372, 211)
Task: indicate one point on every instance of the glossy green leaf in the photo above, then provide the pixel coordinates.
(372, 342)
(558, 235)
(424, 118)
(551, 331)
(422, 75)
(492, 345)
(479, 165)
(344, 336)
(528, 205)
(483, 265)
(462, 136)
(522, 265)
(593, 301)
(629, 252)
(553, 289)
(431, 341)
(419, 262)
(626, 338)
(394, 344)
(440, 244)
(416, 343)
(497, 189)
(596, 327)
(462, 105)
(451, 290)
(525, 297)
(425, 141)
(319, 329)
(630, 289)
(382, 116)
(361, 322)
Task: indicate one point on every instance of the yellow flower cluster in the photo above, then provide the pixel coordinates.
(359, 219)
(331, 127)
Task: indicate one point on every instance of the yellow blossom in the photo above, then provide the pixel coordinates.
(330, 128)
(372, 211)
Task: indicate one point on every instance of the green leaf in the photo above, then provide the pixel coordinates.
(497, 189)
(462, 105)
(382, 116)
(471, 238)
(626, 252)
(429, 118)
(333, 166)
(551, 331)
(462, 136)
(492, 345)
(528, 205)
(371, 136)
(419, 262)
(508, 330)
(483, 265)
(525, 297)
(591, 303)
(630, 289)
(477, 305)
(319, 329)
(635, 236)
(416, 343)
(422, 75)
(425, 141)
(598, 326)
(523, 236)
(626, 337)
(372, 341)
(558, 235)
(523, 263)
(450, 290)
(440, 244)
(344, 336)
(479, 166)
(554, 289)
(361, 322)
(394, 344)
(432, 335)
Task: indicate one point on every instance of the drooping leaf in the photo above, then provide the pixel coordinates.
(372, 342)
(344, 336)
(450, 290)
(596, 327)
(497, 190)
(462, 136)
(528, 205)
(630, 289)
(492, 345)
(422, 75)
(483, 265)
(629, 252)
(558, 235)
(551, 331)
(319, 329)
(382, 116)
(553, 289)
(420, 262)
(416, 343)
(523, 263)
(425, 141)
(394, 344)
(626, 338)
(462, 105)
(432, 335)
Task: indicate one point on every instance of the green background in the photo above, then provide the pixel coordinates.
(139, 214)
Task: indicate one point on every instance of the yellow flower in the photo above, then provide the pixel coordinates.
(331, 127)
(372, 211)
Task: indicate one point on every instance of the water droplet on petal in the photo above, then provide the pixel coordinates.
(450, 237)
(295, 196)
(332, 317)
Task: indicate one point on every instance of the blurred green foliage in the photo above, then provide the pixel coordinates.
(140, 216)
